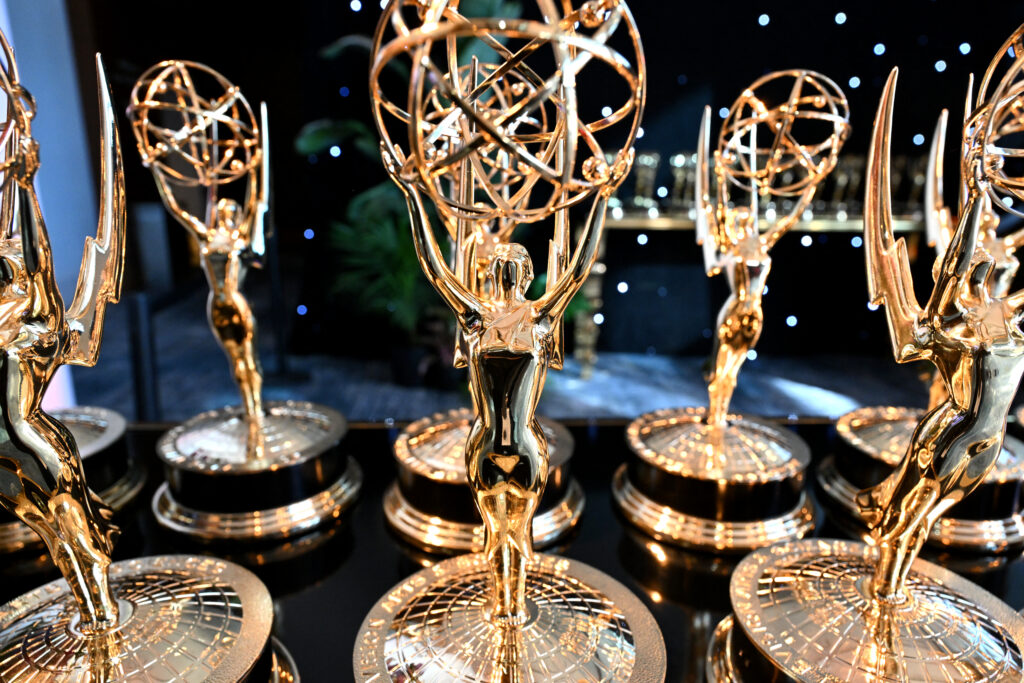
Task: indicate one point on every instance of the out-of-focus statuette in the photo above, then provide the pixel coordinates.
(261, 470)
(821, 609)
(707, 478)
(493, 139)
(170, 618)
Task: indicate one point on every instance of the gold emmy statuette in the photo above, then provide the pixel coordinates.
(817, 610)
(872, 440)
(486, 132)
(99, 434)
(172, 618)
(431, 506)
(706, 478)
(262, 470)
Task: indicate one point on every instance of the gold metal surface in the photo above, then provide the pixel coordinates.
(667, 524)
(492, 143)
(434, 448)
(581, 625)
(884, 433)
(971, 335)
(214, 441)
(198, 135)
(273, 524)
(809, 605)
(433, 534)
(93, 430)
(283, 669)
(748, 168)
(681, 441)
(181, 619)
(43, 483)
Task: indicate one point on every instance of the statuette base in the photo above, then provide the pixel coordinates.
(806, 609)
(183, 619)
(583, 625)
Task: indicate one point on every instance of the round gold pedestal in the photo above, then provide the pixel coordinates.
(183, 619)
(753, 478)
(583, 626)
(216, 492)
(100, 436)
(872, 441)
(431, 506)
(802, 612)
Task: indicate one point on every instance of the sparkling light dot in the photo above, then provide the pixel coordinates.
(356, 5)
(918, 139)
(854, 82)
(751, 354)
(763, 19)
(872, 307)
(791, 320)
(879, 48)
(806, 240)
(623, 287)
(335, 151)
(681, 79)
(599, 318)
(1007, 201)
(840, 17)
(662, 291)
(764, 291)
(308, 233)
(856, 242)
(383, 4)
(617, 212)
(606, 111)
(965, 48)
(639, 132)
(343, 91)
(641, 239)
(940, 65)
(302, 310)
(662, 191)
(723, 112)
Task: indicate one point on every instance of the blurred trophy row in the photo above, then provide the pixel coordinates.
(482, 130)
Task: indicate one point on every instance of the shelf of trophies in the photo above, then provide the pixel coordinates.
(645, 204)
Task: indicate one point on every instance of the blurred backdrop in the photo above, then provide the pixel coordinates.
(345, 316)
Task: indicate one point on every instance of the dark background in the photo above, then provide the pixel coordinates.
(697, 53)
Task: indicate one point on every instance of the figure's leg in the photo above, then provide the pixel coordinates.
(508, 520)
(900, 537)
(235, 327)
(47, 491)
(738, 331)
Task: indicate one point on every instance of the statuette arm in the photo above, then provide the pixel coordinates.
(99, 279)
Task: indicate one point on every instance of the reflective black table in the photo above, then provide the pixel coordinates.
(324, 583)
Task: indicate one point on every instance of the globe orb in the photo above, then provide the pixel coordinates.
(193, 125)
(487, 120)
(995, 129)
(783, 134)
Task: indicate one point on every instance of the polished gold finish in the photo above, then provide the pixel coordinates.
(272, 524)
(44, 484)
(883, 434)
(298, 437)
(94, 430)
(809, 606)
(729, 228)
(196, 141)
(668, 524)
(430, 453)
(492, 144)
(818, 610)
(580, 625)
(971, 336)
(181, 619)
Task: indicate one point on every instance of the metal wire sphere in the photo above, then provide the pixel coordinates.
(517, 134)
(758, 146)
(995, 130)
(196, 135)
